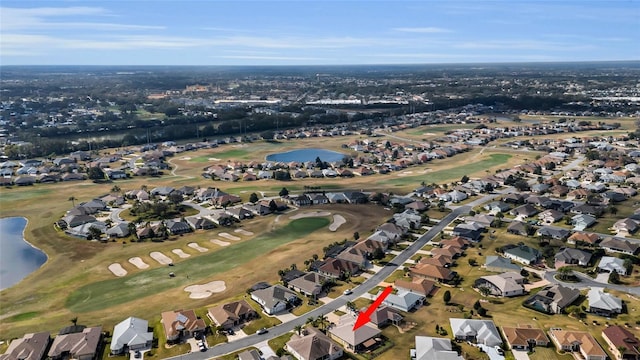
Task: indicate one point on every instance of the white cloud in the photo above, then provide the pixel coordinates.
(422, 30)
(264, 57)
(521, 45)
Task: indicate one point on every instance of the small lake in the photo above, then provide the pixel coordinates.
(17, 258)
(304, 155)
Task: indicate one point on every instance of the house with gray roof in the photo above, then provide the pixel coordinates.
(582, 221)
(129, 335)
(431, 348)
(500, 264)
(553, 232)
(552, 299)
(314, 345)
(309, 284)
(404, 300)
(571, 256)
(524, 211)
(477, 331)
(31, 346)
(503, 285)
(119, 230)
(495, 207)
(611, 264)
(624, 246)
(354, 341)
(602, 303)
(274, 299)
(523, 254)
(82, 345)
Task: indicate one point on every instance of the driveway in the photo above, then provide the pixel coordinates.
(493, 354)
(286, 317)
(520, 355)
(265, 349)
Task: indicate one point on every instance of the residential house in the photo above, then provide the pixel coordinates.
(624, 246)
(550, 216)
(181, 324)
(310, 284)
(571, 256)
(419, 286)
(251, 354)
(408, 219)
(525, 337)
(385, 315)
(314, 345)
(81, 345)
(355, 255)
(430, 348)
(626, 226)
(177, 227)
(577, 341)
(553, 233)
(432, 272)
(275, 299)
(623, 345)
(588, 210)
(483, 219)
(338, 268)
(258, 209)
(477, 331)
(552, 299)
(119, 230)
(583, 238)
(518, 228)
(404, 300)
(500, 264)
(32, 346)
(131, 334)
(602, 303)
(231, 314)
(524, 211)
(200, 223)
(582, 221)
(495, 207)
(239, 213)
(354, 341)
(503, 285)
(610, 264)
(523, 254)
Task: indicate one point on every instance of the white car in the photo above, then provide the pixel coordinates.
(347, 292)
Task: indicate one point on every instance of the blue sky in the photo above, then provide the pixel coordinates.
(162, 32)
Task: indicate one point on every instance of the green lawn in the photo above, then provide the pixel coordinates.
(279, 342)
(549, 353)
(229, 154)
(107, 293)
(450, 174)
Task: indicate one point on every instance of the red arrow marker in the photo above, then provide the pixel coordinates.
(364, 317)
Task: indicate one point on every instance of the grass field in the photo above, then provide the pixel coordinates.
(104, 294)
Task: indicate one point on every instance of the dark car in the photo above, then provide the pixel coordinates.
(137, 355)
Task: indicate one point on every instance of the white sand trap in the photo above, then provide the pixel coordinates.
(310, 214)
(137, 262)
(220, 242)
(197, 247)
(185, 158)
(244, 232)
(229, 236)
(205, 290)
(338, 220)
(161, 258)
(214, 159)
(179, 252)
(117, 269)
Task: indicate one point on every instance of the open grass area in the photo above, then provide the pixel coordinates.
(279, 342)
(104, 294)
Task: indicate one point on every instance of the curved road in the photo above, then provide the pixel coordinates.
(370, 283)
(588, 282)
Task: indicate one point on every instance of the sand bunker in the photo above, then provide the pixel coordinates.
(197, 247)
(337, 221)
(310, 214)
(405, 173)
(214, 159)
(220, 242)
(137, 262)
(117, 269)
(161, 258)
(244, 232)
(205, 290)
(180, 253)
(229, 236)
(185, 158)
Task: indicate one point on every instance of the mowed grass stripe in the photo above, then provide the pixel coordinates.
(451, 174)
(107, 293)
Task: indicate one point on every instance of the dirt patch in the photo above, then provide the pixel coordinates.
(205, 290)
(243, 232)
(161, 258)
(117, 270)
(220, 242)
(338, 220)
(229, 236)
(180, 253)
(185, 158)
(306, 214)
(137, 262)
(197, 247)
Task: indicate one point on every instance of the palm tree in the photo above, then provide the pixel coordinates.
(298, 328)
(322, 320)
(115, 189)
(73, 200)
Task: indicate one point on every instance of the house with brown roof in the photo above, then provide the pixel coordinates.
(583, 238)
(438, 260)
(231, 314)
(385, 315)
(310, 284)
(421, 286)
(456, 241)
(355, 341)
(432, 272)
(577, 341)
(81, 345)
(450, 251)
(524, 337)
(314, 345)
(29, 347)
(338, 268)
(623, 345)
(181, 324)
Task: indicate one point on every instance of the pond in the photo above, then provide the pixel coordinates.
(304, 155)
(17, 257)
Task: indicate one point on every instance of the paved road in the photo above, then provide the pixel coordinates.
(588, 282)
(283, 328)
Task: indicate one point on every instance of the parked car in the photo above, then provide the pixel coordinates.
(137, 355)
(347, 292)
(262, 331)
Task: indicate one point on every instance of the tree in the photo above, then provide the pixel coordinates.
(94, 233)
(614, 277)
(476, 305)
(485, 291)
(565, 273)
(465, 179)
(176, 198)
(253, 198)
(446, 297)
(115, 189)
(95, 173)
(73, 200)
(356, 236)
(298, 328)
(284, 192)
